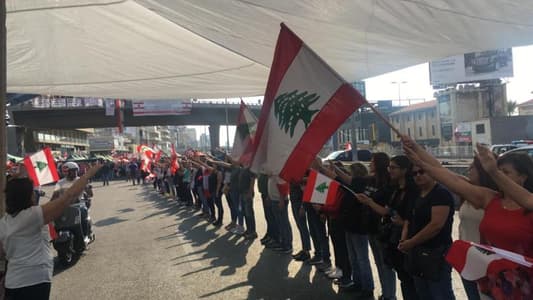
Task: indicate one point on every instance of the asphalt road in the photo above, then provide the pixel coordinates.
(148, 248)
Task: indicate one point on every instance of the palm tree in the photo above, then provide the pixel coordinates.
(511, 107)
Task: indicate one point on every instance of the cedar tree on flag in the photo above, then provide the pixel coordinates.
(321, 189)
(242, 143)
(305, 102)
(41, 167)
(474, 261)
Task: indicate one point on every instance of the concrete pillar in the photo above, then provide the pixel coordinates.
(214, 136)
(29, 141)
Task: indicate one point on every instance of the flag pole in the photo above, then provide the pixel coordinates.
(384, 119)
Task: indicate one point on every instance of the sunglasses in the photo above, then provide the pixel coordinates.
(418, 173)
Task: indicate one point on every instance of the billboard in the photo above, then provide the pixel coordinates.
(472, 67)
(161, 108)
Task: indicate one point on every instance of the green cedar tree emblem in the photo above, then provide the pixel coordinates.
(290, 108)
(41, 165)
(321, 188)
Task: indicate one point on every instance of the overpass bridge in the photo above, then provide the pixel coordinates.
(210, 113)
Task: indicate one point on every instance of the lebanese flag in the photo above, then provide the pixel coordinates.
(41, 167)
(305, 102)
(174, 165)
(474, 261)
(242, 143)
(147, 154)
(321, 189)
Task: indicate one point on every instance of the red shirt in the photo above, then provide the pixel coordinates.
(510, 230)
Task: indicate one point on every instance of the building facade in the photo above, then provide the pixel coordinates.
(420, 121)
(526, 108)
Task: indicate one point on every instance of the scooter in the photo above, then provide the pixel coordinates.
(73, 233)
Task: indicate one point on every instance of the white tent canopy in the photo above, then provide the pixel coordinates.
(154, 49)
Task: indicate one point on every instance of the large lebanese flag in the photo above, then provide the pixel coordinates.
(244, 135)
(305, 102)
(474, 261)
(321, 189)
(41, 167)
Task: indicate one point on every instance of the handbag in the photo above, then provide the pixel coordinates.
(426, 263)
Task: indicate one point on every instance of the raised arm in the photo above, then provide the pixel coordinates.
(53, 209)
(509, 188)
(478, 196)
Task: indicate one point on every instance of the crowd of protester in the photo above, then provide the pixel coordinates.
(401, 209)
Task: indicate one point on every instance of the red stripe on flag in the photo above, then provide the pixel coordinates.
(310, 186)
(457, 254)
(51, 163)
(31, 171)
(341, 105)
(332, 193)
(287, 47)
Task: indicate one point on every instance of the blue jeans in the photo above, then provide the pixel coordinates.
(237, 207)
(272, 228)
(282, 219)
(387, 276)
(358, 253)
(317, 229)
(301, 222)
(249, 215)
(471, 289)
(436, 290)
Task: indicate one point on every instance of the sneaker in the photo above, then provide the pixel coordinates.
(239, 230)
(315, 261)
(250, 236)
(297, 254)
(264, 239)
(230, 226)
(303, 256)
(324, 267)
(346, 283)
(334, 273)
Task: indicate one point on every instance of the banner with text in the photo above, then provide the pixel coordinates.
(161, 108)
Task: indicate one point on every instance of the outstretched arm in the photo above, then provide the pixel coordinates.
(510, 188)
(478, 196)
(53, 209)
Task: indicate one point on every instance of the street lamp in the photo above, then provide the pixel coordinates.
(399, 83)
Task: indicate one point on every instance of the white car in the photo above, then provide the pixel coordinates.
(527, 150)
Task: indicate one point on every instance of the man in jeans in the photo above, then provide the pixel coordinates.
(272, 231)
(278, 192)
(246, 191)
(317, 229)
(298, 212)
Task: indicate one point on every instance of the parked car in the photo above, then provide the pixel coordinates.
(527, 150)
(502, 148)
(489, 61)
(346, 155)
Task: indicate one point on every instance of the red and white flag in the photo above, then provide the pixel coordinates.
(321, 189)
(41, 167)
(474, 261)
(244, 135)
(147, 155)
(174, 165)
(305, 102)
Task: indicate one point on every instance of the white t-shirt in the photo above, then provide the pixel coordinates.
(26, 242)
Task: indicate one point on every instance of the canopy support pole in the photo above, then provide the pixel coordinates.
(3, 128)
